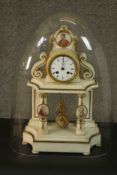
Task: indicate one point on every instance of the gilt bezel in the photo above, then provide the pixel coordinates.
(71, 55)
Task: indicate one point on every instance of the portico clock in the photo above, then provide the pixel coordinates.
(63, 71)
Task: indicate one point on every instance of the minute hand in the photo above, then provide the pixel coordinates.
(63, 64)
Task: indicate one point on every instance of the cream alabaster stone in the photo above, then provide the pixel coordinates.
(54, 139)
(78, 137)
(62, 140)
(44, 86)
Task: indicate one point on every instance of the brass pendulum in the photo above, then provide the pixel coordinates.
(61, 119)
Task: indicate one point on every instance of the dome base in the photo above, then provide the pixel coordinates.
(62, 140)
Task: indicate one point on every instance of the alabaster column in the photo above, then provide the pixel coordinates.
(80, 122)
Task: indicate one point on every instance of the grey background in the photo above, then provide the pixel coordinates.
(19, 19)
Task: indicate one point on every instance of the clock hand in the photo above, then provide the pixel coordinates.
(63, 64)
(56, 72)
(69, 73)
(63, 60)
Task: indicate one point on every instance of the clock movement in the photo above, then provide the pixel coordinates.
(62, 70)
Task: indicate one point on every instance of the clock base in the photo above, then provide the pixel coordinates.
(62, 140)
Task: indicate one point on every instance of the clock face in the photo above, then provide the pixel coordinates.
(63, 68)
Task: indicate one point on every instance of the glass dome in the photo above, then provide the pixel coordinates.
(88, 48)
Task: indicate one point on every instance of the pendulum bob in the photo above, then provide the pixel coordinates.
(62, 120)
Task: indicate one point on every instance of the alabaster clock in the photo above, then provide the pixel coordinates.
(62, 70)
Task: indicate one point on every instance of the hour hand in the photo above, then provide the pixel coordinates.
(63, 64)
(69, 73)
(56, 72)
